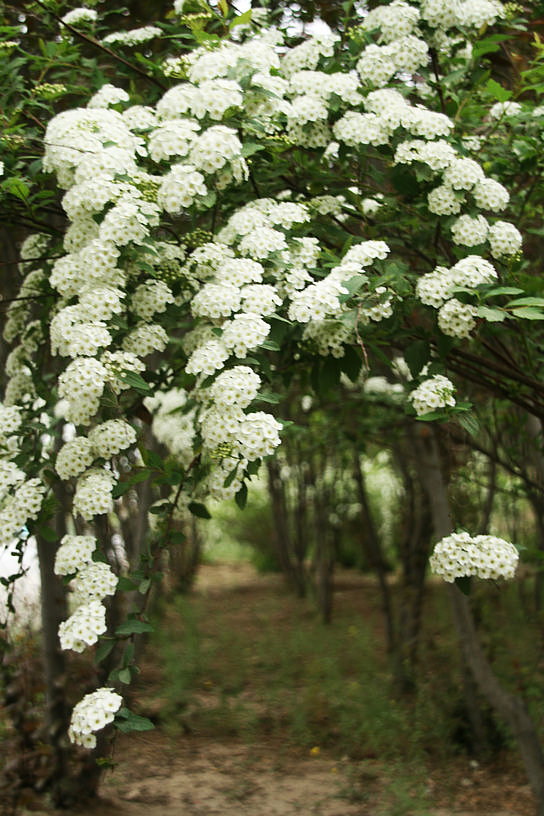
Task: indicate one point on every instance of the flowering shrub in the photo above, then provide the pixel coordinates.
(279, 206)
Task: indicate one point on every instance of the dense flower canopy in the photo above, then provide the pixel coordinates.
(191, 263)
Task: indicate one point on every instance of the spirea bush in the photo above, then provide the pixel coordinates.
(283, 204)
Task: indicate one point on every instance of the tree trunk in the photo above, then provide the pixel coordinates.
(54, 610)
(373, 552)
(509, 708)
(325, 544)
(281, 528)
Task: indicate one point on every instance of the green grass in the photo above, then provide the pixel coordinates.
(274, 669)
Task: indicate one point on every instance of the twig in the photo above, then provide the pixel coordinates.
(96, 44)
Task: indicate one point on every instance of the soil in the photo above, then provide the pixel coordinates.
(195, 775)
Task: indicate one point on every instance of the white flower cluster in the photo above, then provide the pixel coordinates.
(21, 503)
(94, 581)
(10, 422)
(92, 713)
(93, 493)
(74, 457)
(135, 36)
(235, 386)
(504, 109)
(80, 15)
(111, 437)
(443, 14)
(74, 553)
(436, 392)
(459, 555)
(84, 627)
(106, 96)
(436, 289)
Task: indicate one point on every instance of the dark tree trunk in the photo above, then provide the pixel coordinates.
(325, 545)
(373, 552)
(283, 538)
(508, 707)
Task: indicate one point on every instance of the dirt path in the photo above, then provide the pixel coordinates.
(197, 775)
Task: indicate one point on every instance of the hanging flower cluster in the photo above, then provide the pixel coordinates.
(485, 556)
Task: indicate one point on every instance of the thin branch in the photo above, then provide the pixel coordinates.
(96, 44)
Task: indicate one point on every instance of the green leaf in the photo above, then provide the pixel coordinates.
(417, 354)
(525, 301)
(497, 91)
(241, 497)
(253, 467)
(199, 510)
(329, 376)
(249, 148)
(464, 584)
(444, 345)
(469, 422)
(152, 459)
(125, 584)
(125, 676)
(135, 626)
(270, 345)
(430, 416)
(351, 363)
(132, 722)
(353, 285)
(135, 381)
(503, 290)
(144, 586)
(492, 315)
(231, 477)
(128, 655)
(209, 199)
(267, 396)
(120, 489)
(140, 475)
(103, 649)
(528, 313)
(242, 19)
(16, 187)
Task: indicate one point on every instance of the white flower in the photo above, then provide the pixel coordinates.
(93, 493)
(469, 231)
(437, 392)
(504, 109)
(485, 556)
(457, 319)
(505, 239)
(111, 437)
(83, 627)
(80, 15)
(91, 714)
(74, 552)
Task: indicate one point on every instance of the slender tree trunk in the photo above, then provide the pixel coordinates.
(283, 541)
(54, 610)
(414, 549)
(325, 543)
(374, 553)
(509, 708)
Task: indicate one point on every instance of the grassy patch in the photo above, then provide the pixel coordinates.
(261, 663)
